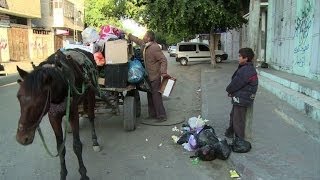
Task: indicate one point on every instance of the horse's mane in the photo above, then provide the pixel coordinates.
(35, 82)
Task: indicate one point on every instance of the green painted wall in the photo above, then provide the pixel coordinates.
(293, 40)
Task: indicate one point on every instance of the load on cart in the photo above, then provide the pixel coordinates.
(121, 73)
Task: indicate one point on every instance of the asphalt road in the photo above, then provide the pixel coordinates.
(148, 153)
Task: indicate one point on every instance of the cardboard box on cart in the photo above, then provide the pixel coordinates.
(116, 70)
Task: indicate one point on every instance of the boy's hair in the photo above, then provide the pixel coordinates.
(151, 35)
(247, 53)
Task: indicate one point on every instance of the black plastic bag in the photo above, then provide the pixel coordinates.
(184, 138)
(206, 136)
(240, 145)
(206, 153)
(222, 149)
(144, 85)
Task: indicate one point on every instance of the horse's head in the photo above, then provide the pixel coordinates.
(34, 99)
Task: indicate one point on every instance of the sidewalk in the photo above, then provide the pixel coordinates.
(280, 149)
(11, 70)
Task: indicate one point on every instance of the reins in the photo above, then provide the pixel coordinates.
(65, 128)
(75, 90)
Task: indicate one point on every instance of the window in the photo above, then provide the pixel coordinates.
(68, 9)
(188, 47)
(203, 47)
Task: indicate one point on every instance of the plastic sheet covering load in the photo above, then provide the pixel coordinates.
(89, 35)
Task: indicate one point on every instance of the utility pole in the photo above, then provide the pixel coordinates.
(254, 19)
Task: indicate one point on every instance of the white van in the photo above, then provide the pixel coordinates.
(196, 52)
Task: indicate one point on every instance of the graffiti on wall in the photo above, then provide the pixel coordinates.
(3, 43)
(302, 31)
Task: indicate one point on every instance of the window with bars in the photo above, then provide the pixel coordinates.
(68, 9)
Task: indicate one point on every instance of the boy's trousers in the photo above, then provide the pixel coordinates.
(238, 120)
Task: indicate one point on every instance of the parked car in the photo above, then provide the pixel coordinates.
(173, 51)
(197, 52)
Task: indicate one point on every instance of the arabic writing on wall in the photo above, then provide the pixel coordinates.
(302, 32)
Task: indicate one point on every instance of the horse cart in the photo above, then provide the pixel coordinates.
(115, 91)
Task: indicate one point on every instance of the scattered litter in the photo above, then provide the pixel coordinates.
(144, 157)
(195, 161)
(202, 139)
(175, 138)
(147, 140)
(175, 129)
(160, 144)
(199, 90)
(166, 166)
(234, 174)
(187, 147)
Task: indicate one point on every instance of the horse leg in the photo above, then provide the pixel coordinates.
(55, 122)
(77, 145)
(91, 115)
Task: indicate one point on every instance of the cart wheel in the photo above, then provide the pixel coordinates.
(136, 95)
(129, 113)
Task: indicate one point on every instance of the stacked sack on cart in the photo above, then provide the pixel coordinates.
(114, 57)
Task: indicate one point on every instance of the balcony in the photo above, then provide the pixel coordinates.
(66, 15)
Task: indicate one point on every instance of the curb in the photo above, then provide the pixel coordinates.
(8, 79)
(235, 161)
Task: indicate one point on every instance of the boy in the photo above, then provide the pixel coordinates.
(242, 90)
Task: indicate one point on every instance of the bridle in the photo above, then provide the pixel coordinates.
(36, 125)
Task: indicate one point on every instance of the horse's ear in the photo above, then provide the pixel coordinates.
(19, 81)
(22, 72)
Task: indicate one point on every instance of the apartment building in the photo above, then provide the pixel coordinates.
(34, 29)
(15, 28)
(65, 19)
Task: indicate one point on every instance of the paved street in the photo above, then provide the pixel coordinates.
(122, 155)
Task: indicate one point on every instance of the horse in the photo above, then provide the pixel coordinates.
(45, 91)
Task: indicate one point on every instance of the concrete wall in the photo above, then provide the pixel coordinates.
(293, 37)
(46, 20)
(4, 47)
(41, 45)
(231, 43)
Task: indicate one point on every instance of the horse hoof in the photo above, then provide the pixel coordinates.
(96, 148)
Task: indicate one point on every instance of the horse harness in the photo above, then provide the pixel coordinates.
(89, 74)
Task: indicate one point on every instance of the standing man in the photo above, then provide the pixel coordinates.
(156, 67)
(242, 90)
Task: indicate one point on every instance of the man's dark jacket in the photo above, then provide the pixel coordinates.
(244, 85)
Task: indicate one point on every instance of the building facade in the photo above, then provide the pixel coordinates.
(34, 29)
(293, 42)
(15, 28)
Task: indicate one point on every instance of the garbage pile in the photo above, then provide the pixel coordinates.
(107, 33)
(202, 139)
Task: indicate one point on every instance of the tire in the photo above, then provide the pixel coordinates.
(184, 61)
(138, 103)
(136, 95)
(129, 113)
(218, 59)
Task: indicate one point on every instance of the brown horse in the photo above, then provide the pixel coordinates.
(45, 91)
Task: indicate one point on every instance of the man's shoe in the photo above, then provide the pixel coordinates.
(229, 133)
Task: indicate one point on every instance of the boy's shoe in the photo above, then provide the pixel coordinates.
(229, 133)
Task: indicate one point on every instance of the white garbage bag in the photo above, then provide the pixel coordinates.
(89, 35)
